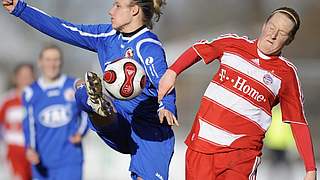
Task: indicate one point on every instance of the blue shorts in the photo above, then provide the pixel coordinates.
(66, 172)
(151, 159)
(150, 145)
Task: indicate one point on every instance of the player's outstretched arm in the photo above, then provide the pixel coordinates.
(166, 83)
(302, 137)
(167, 96)
(9, 5)
(84, 36)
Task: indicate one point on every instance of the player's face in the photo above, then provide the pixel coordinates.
(275, 34)
(24, 77)
(121, 14)
(50, 64)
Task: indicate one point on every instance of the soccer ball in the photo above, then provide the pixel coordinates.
(124, 79)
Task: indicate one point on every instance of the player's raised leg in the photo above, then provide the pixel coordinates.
(113, 128)
(90, 98)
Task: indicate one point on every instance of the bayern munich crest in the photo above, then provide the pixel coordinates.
(267, 79)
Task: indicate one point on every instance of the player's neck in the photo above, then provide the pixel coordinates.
(19, 90)
(50, 79)
(132, 26)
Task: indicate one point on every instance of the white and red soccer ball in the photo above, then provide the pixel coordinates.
(124, 79)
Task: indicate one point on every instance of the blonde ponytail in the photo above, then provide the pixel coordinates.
(157, 4)
(151, 10)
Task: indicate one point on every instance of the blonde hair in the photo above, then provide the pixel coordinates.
(157, 4)
(152, 10)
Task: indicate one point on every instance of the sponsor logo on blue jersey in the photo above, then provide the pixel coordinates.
(149, 61)
(55, 116)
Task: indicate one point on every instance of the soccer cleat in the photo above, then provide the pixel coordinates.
(96, 98)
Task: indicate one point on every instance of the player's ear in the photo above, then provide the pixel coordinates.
(39, 63)
(289, 40)
(135, 9)
(13, 79)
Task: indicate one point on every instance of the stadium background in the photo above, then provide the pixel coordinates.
(183, 22)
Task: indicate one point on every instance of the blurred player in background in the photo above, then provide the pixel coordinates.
(54, 125)
(235, 112)
(138, 127)
(11, 116)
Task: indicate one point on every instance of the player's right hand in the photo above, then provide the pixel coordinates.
(311, 175)
(166, 83)
(9, 5)
(76, 138)
(32, 156)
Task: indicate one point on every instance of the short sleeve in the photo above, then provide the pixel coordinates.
(291, 99)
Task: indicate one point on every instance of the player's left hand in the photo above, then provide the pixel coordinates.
(166, 114)
(76, 138)
(311, 175)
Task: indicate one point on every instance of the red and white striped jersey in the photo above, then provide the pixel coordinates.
(235, 111)
(11, 117)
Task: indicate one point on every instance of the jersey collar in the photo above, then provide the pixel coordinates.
(131, 36)
(55, 84)
(261, 54)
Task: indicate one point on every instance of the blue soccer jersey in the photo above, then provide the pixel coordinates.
(111, 45)
(138, 130)
(52, 118)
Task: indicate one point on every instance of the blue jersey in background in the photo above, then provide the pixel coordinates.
(52, 118)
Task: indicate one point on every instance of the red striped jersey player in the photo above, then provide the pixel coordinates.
(226, 139)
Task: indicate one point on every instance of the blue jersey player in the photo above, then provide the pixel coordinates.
(138, 128)
(54, 125)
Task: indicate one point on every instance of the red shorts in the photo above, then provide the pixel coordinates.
(234, 165)
(19, 164)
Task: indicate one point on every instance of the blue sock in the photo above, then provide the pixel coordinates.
(81, 99)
